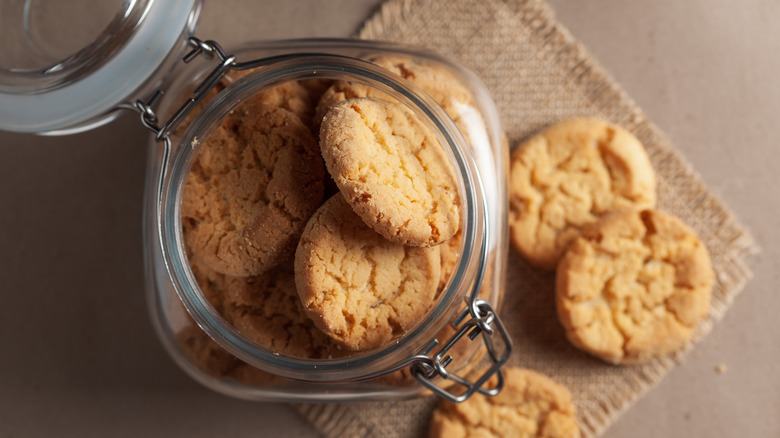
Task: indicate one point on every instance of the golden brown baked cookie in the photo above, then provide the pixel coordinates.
(266, 309)
(633, 286)
(567, 177)
(391, 170)
(530, 405)
(253, 185)
(357, 287)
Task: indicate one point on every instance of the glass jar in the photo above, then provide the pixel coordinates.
(438, 352)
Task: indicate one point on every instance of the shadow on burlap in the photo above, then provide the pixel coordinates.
(538, 74)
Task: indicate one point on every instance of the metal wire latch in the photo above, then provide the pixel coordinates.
(484, 322)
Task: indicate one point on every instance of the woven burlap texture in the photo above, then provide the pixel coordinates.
(538, 74)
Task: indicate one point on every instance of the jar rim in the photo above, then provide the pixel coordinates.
(362, 365)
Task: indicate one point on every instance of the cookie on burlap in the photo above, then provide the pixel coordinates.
(391, 170)
(266, 309)
(567, 177)
(633, 286)
(356, 286)
(256, 180)
(530, 405)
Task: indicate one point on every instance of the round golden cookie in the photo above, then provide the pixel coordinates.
(530, 405)
(266, 309)
(567, 177)
(356, 286)
(633, 286)
(391, 170)
(253, 185)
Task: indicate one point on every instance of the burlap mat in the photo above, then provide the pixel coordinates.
(538, 74)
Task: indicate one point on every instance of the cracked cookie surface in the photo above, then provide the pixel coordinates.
(256, 180)
(567, 177)
(530, 405)
(391, 170)
(633, 286)
(356, 286)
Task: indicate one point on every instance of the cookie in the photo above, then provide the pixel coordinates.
(633, 286)
(356, 286)
(569, 176)
(253, 185)
(266, 309)
(391, 170)
(530, 405)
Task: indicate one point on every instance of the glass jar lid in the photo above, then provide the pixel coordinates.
(64, 65)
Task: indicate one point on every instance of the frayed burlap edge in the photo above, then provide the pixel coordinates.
(715, 220)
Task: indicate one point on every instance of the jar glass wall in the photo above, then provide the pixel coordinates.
(204, 343)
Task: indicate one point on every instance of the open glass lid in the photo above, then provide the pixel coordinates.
(65, 65)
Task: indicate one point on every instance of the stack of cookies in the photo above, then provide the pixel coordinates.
(632, 281)
(321, 218)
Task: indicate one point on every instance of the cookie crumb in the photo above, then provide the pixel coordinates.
(721, 369)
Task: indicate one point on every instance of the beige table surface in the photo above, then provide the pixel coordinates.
(78, 356)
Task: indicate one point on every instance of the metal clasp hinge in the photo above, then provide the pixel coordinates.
(146, 108)
(486, 323)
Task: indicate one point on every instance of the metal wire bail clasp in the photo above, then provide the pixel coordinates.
(146, 108)
(482, 321)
